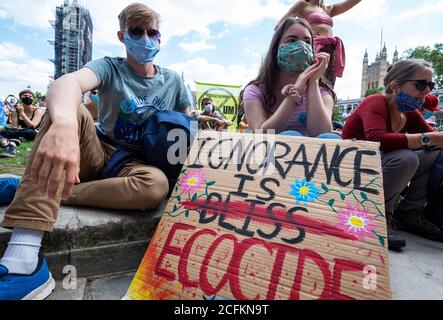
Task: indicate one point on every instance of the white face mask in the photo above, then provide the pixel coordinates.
(208, 108)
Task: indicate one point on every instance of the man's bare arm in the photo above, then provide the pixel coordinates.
(59, 150)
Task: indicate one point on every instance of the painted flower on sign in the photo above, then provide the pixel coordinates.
(357, 222)
(192, 181)
(304, 192)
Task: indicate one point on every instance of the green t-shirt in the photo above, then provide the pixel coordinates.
(128, 100)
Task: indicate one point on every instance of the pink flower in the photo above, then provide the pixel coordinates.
(357, 222)
(192, 181)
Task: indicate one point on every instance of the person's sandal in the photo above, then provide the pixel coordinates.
(9, 151)
(17, 142)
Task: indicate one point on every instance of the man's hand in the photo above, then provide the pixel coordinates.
(58, 152)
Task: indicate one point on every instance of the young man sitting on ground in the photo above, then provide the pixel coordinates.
(69, 157)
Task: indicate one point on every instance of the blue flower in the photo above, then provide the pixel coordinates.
(304, 192)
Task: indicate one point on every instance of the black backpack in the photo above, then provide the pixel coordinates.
(156, 144)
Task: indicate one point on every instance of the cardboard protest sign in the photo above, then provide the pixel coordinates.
(271, 218)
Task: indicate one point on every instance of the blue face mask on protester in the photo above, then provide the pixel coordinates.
(142, 50)
(406, 103)
(95, 99)
(295, 57)
(428, 115)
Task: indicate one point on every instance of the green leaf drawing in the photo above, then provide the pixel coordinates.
(210, 183)
(380, 238)
(194, 197)
(179, 199)
(175, 208)
(343, 196)
(331, 202)
(364, 196)
(324, 187)
(382, 241)
(187, 213)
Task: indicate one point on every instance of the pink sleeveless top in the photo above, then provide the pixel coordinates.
(319, 18)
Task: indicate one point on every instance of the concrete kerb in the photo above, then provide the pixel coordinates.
(95, 241)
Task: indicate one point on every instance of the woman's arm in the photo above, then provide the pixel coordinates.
(414, 140)
(254, 109)
(14, 118)
(295, 11)
(35, 122)
(342, 7)
(320, 109)
(278, 121)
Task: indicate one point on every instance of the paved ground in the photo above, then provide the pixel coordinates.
(113, 242)
(417, 274)
(111, 287)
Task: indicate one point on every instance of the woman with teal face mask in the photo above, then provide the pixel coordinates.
(320, 17)
(290, 95)
(409, 145)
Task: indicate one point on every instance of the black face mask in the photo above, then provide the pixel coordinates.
(28, 101)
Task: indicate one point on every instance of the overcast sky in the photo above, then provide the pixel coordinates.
(210, 41)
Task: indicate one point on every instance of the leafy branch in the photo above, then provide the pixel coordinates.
(194, 198)
(362, 200)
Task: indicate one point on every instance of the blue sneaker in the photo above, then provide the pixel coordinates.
(37, 286)
(3, 271)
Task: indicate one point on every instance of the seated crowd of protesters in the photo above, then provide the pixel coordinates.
(23, 121)
(293, 94)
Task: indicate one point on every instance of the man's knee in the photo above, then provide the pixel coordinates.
(84, 114)
(155, 189)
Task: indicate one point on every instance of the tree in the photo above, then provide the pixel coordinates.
(336, 117)
(432, 55)
(370, 92)
(37, 96)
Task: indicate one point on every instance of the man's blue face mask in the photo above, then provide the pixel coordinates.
(143, 50)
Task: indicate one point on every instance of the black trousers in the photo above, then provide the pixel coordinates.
(27, 134)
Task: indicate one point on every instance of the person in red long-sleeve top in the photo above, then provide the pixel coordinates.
(409, 145)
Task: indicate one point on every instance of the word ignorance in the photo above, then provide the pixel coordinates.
(222, 154)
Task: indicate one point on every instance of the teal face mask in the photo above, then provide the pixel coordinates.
(95, 99)
(295, 57)
(428, 115)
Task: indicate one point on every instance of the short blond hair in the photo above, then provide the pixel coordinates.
(137, 14)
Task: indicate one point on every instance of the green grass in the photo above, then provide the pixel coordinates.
(16, 165)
